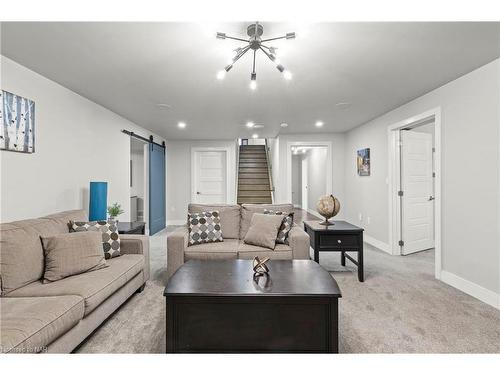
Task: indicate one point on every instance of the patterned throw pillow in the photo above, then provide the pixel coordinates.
(204, 227)
(286, 225)
(109, 232)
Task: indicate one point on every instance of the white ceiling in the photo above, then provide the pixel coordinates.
(131, 67)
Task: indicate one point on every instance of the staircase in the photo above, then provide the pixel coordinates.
(253, 175)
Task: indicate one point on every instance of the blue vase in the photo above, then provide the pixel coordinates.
(98, 201)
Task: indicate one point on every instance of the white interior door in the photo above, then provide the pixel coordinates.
(417, 202)
(210, 177)
(304, 184)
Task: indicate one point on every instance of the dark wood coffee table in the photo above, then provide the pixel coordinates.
(216, 306)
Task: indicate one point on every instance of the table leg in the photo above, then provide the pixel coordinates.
(316, 256)
(361, 272)
(342, 258)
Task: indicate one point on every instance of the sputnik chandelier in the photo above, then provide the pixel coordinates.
(255, 43)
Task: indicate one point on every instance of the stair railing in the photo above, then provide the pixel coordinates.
(270, 172)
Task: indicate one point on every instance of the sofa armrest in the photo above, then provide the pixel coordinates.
(136, 244)
(298, 240)
(177, 242)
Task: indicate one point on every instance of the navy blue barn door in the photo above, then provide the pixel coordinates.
(156, 188)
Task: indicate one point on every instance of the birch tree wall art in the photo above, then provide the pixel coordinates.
(17, 123)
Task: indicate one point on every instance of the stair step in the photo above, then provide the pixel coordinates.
(251, 164)
(253, 181)
(246, 187)
(252, 170)
(252, 147)
(252, 156)
(250, 193)
(254, 200)
(252, 175)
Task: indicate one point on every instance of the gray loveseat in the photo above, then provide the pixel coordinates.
(235, 221)
(56, 317)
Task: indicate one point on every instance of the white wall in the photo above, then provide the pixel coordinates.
(338, 154)
(77, 141)
(470, 117)
(179, 176)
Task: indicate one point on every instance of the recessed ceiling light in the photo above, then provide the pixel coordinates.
(258, 126)
(221, 74)
(254, 136)
(284, 125)
(319, 124)
(181, 125)
(250, 124)
(163, 105)
(304, 150)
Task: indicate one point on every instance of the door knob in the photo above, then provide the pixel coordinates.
(198, 193)
(431, 198)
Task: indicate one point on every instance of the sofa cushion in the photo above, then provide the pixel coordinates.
(94, 287)
(229, 217)
(21, 253)
(204, 227)
(281, 251)
(28, 325)
(108, 231)
(247, 211)
(216, 250)
(62, 219)
(264, 230)
(70, 254)
(286, 225)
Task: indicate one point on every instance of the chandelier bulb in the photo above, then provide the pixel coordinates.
(253, 85)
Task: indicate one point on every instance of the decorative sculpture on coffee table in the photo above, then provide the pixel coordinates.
(259, 266)
(328, 206)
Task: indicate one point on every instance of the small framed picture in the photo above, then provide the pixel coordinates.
(363, 161)
(17, 123)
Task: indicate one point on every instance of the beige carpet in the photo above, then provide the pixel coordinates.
(400, 308)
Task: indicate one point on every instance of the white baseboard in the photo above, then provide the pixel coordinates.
(176, 222)
(377, 243)
(472, 289)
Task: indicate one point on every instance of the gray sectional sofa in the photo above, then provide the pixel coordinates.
(235, 221)
(58, 316)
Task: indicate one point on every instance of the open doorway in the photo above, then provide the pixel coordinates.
(309, 180)
(414, 186)
(139, 180)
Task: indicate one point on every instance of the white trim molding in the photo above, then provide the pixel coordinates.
(377, 244)
(472, 289)
(328, 169)
(392, 186)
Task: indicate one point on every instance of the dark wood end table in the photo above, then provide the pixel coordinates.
(341, 237)
(217, 306)
(136, 227)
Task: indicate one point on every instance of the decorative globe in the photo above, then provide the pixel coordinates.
(328, 206)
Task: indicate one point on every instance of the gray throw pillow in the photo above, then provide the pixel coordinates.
(71, 254)
(204, 227)
(286, 225)
(109, 233)
(263, 230)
